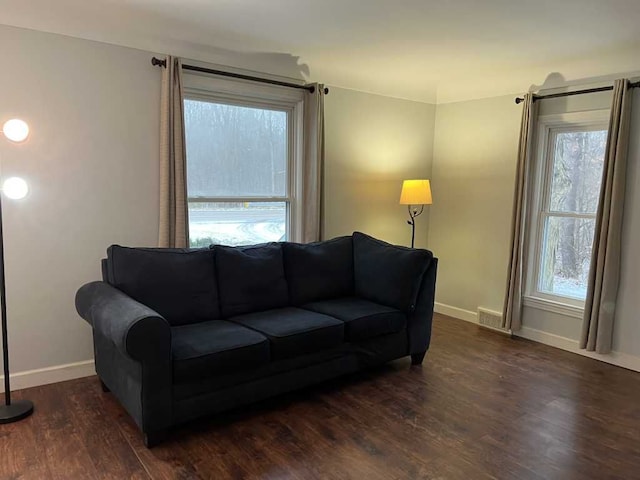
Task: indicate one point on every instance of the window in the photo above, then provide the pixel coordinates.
(242, 157)
(566, 191)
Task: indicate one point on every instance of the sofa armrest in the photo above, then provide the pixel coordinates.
(134, 328)
(132, 346)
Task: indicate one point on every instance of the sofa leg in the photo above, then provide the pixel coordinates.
(151, 439)
(104, 388)
(416, 358)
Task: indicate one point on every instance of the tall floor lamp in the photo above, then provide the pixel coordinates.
(415, 193)
(15, 188)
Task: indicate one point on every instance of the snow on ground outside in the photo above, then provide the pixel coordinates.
(569, 287)
(237, 226)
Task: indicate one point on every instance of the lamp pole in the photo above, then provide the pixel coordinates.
(11, 411)
(413, 213)
(16, 410)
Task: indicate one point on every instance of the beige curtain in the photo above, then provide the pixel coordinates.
(313, 164)
(512, 311)
(174, 224)
(600, 305)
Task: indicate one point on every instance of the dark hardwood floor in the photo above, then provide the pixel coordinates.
(482, 406)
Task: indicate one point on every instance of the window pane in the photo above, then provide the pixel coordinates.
(235, 151)
(577, 171)
(236, 223)
(566, 256)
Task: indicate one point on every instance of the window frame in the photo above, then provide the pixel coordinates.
(548, 127)
(203, 87)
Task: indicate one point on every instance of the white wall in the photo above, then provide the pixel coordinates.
(91, 163)
(372, 144)
(473, 175)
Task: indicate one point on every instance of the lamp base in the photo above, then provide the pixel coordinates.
(18, 410)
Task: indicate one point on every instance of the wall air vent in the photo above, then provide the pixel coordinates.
(490, 319)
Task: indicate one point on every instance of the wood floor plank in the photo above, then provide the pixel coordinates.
(60, 441)
(481, 407)
(109, 452)
(24, 463)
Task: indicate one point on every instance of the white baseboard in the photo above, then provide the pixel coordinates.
(501, 331)
(456, 312)
(466, 315)
(44, 376)
(615, 358)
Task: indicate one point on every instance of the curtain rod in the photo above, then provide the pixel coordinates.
(575, 92)
(310, 88)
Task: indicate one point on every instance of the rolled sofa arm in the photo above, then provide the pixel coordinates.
(134, 328)
(132, 345)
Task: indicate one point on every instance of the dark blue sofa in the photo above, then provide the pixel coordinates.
(179, 334)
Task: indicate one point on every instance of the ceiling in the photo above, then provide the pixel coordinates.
(425, 50)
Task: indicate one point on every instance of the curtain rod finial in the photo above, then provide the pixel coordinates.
(519, 100)
(312, 89)
(156, 62)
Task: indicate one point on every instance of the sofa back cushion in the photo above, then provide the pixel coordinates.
(388, 274)
(319, 271)
(178, 284)
(251, 278)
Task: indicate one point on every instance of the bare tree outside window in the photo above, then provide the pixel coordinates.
(570, 205)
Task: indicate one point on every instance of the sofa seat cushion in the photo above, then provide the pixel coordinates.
(293, 331)
(362, 319)
(205, 349)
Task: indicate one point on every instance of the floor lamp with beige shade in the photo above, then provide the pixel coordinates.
(415, 193)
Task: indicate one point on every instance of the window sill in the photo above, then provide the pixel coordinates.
(554, 307)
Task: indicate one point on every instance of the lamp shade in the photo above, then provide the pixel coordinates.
(416, 192)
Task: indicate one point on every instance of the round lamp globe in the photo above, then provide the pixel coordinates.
(15, 188)
(16, 130)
